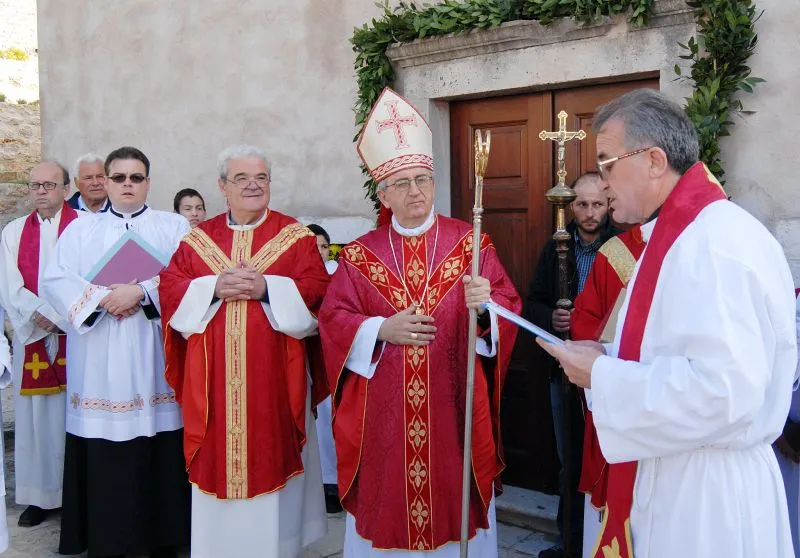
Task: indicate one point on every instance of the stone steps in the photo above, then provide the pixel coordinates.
(528, 509)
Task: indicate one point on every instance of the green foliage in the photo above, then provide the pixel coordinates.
(2, 97)
(726, 40)
(585, 11)
(14, 53)
(719, 71)
(22, 102)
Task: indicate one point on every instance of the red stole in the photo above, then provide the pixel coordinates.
(39, 375)
(696, 189)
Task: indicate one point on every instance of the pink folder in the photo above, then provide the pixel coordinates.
(131, 258)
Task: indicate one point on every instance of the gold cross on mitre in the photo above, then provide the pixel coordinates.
(561, 137)
(36, 366)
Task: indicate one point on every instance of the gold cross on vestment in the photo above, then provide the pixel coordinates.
(561, 137)
(36, 366)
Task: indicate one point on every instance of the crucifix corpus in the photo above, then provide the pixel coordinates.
(561, 196)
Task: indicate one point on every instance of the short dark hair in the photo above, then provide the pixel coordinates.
(186, 193)
(584, 176)
(317, 230)
(128, 153)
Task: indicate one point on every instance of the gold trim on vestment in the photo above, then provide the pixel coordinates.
(619, 258)
(236, 379)
(279, 244)
(208, 251)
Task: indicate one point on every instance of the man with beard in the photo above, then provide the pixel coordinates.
(589, 230)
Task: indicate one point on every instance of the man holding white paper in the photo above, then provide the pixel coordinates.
(240, 297)
(698, 381)
(125, 488)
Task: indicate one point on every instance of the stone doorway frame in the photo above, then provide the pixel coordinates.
(525, 56)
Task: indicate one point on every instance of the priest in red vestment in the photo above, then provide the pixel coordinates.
(394, 334)
(595, 319)
(239, 298)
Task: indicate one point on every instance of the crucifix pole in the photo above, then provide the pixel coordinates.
(560, 196)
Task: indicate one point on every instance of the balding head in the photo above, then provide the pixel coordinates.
(590, 206)
(48, 187)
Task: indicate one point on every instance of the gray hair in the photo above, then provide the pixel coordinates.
(240, 151)
(89, 158)
(651, 119)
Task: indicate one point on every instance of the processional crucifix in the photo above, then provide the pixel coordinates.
(561, 196)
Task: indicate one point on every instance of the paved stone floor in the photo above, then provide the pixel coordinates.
(42, 541)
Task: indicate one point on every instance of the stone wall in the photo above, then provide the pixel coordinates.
(20, 150)
(183, 80)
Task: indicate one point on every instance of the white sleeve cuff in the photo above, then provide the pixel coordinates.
(287, 311)
(482, 347)
(360, 358)
(195, 310)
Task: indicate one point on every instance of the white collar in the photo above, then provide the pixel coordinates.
(114, 211)
(237, 227)
(416, 231)
(54, 219)
(647, 230)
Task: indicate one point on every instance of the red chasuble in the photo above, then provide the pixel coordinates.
(400, 435)
(696, 189)
(39, 375)
(595, 313)
(242, 385)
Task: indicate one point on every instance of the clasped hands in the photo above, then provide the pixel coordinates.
(409, 328)
(124, 300)
(243, 282)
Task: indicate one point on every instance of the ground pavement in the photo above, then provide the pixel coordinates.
(42, 541)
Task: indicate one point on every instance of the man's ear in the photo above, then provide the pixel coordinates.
(659, 164)
(382, 198)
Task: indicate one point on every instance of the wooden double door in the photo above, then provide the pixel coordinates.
(520, 221)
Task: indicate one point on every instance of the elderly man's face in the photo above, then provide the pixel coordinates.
(409, 194)
(128, 184)
(91, 182)
(247, 185)
(47, 189)
(627, 181)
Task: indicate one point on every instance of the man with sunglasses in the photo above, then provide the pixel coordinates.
(240, 297)
(697, 383)
(394, 332)
(125, 486)
(39, 343)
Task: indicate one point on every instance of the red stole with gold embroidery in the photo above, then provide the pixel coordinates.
(696, 189)
(39, 375)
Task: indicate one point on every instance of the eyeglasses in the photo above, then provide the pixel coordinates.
(604, 167)
(245, 181)
(136, 178)
(404, 184)
(49, 186)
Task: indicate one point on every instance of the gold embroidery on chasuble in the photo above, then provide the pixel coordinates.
(619, 258)
(427, 291)
(236, 378)
(236, 337)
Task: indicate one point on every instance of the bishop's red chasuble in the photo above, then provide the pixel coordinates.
(39, 375)
(242, 385)
(696, 190)
(595, 318)
(399, 435)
